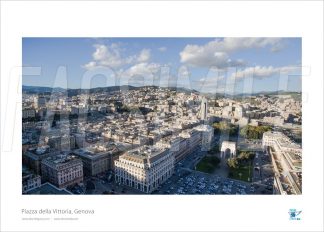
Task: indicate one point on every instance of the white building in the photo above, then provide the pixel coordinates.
(289, 151)
(276, 120)
(207, 135)
(144, 168)
(286, 157)
(243, 121)
(227, 112)
(193, 136)
(178, 145)
(238, 113)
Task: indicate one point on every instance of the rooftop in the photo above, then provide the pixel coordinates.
(295, 157)
(144, 154)
(39, 150)
(90, 153)
(146, 151)
(282, 139)
(204, 128)
(228, 143)
(61, 158)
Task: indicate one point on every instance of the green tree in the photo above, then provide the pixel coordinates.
(224, 127)
(245, 156)
(233, 163)
(253, 132)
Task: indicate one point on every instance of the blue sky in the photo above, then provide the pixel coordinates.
(232, 65)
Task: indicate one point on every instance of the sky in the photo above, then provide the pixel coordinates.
(211, 65)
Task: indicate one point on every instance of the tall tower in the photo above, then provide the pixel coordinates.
(203, 108)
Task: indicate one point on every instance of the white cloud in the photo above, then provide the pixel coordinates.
(142, 69)
(162, 49)
(134, 69)
(210, 84)
(215, 53)
(201, 57)
(89, 66)
(293, 70)
(144, 55)
(233, 44)
(211, 80)
(140, 74)
(198, 56)
(110, 56)
(183, 71)
(264, 72)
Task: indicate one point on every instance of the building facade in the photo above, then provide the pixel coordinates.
(40, 101)
(207, 135)
(228, 148)
(145, 168)
(286, 158)
(94, 161)
(289, 151)
(33, 157)
(193, 136)
(30, 181)
(28, 113)
(62, 170)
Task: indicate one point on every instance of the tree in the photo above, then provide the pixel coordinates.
(245, 155)
(233, 163)
(242, 159)
(254, 132)
(225, 127)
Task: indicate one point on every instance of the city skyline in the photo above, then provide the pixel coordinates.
(239, 65)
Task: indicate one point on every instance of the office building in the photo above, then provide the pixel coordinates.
(62, 170)
(145, 168)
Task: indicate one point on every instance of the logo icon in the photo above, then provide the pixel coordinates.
(294, 214)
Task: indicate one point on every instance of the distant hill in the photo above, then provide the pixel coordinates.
(74, 92)
(266, 93)
(40, 89)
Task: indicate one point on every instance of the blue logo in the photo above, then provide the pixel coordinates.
(294, 214)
